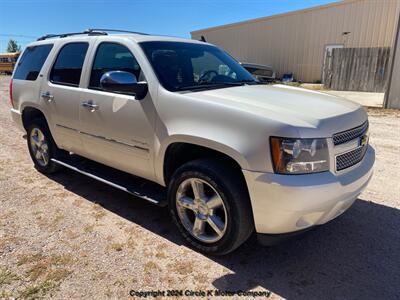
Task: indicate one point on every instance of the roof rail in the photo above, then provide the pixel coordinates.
(90, 31)
(62, 35)
(116, 30)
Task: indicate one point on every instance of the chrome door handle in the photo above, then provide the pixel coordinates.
(47, 96)
(90, 106)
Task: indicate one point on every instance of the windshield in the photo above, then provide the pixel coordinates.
(188, 66)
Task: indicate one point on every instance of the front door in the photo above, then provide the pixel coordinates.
(116, 129)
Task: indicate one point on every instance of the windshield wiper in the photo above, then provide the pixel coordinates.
(208, 85)
(249, 81)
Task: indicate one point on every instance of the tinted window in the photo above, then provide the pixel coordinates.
(31, 62)
(112, 57)
(180, 66)
(68, 67)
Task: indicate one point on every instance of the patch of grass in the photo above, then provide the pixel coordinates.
(150, 266)
(49, 266)
(160, 250)
(37, 270)
(38, 198)
(29, 258)
(57, 219)
(58, 275)
(9, 240)
(88, 228)
(99, 212)
(78, 202)
(61, 260)
(201, 278)
(37, 291)
(6, 277)
(293, 83)
(116, 246)
(99, 276)
(131, 243)
(183, 267)
(71, 235)
(42, 222)
(5, 295)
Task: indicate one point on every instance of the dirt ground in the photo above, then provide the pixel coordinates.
(67, 236)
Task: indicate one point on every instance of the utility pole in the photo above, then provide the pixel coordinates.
(392, 95)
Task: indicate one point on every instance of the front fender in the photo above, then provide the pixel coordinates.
(198, 141)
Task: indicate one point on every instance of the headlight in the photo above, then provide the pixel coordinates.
(299, 156)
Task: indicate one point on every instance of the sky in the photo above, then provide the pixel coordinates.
(25, 20)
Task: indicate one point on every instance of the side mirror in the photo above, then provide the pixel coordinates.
(124, 83)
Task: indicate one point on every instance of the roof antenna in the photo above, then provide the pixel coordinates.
(203, 39)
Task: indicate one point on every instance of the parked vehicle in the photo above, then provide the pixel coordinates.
(262, 73)
(7, 62)
(227, 155)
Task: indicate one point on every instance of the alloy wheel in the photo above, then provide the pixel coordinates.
(39, 146)
(201, 210)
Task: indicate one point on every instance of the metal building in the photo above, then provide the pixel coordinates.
(297, 41)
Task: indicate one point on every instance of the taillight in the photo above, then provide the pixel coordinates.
(11, 93)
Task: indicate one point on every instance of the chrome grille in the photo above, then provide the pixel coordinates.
(348, 159)
(348, 135)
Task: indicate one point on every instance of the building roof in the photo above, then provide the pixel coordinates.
(292, 13)
(9, 54)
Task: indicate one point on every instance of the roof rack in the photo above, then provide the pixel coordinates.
(63, 35)
(116, 30)
(90, 31)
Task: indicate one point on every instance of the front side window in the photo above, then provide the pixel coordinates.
(112, 57)
(186, 66)
(68, 66)
(31, 62)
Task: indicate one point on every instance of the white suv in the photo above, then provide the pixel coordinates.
(228, 155)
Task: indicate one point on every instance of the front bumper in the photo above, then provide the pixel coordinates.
(290, 203)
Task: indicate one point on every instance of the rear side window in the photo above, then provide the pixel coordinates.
(112, 57)
(68, 66)
(31, 62)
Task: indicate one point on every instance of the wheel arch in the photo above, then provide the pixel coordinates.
(29, 113)
(180, 150)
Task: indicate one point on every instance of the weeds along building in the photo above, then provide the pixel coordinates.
(297, 41)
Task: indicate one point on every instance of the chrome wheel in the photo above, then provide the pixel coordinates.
(39, 146)
(201, 210)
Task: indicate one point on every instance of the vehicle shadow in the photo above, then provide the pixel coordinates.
(356, 256)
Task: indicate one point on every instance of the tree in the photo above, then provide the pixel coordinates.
(13, 46)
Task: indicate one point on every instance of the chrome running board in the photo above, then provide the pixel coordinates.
(128, 183)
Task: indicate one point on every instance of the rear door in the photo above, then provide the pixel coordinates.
(61, 94)
(119, 131)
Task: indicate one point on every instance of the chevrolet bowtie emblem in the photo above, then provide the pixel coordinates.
(363, 140)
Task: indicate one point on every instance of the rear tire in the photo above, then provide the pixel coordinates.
(42, 147)
(214, 227)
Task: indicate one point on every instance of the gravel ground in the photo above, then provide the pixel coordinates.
(67, 236)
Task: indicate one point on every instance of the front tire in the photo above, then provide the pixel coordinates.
(42, 147)
(209, 203)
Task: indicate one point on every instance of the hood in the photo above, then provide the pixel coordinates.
(304, 109)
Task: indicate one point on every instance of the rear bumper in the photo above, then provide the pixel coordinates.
(289, 203)
(16, 116)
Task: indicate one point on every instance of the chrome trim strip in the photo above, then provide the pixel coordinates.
(106, 139)
(66, 127)
(115, 141)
